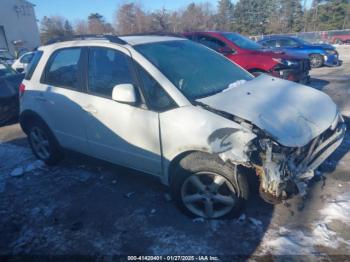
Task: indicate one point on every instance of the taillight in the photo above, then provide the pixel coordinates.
(22, 88)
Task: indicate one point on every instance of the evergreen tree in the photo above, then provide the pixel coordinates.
(224, 17)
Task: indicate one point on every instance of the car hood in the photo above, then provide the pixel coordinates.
(291, 113)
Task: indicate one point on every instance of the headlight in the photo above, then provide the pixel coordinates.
(331, 52)
(286, 62)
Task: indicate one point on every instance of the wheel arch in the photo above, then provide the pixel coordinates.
(171, 167)
(27, 116)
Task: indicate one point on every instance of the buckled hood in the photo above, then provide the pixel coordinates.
(293, 114)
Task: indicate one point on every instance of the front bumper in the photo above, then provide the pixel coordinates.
(332, 60)
(299, 73)
(283, 174)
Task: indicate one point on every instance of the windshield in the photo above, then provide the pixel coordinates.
(6, 70)
(242, 41)
(194, 69)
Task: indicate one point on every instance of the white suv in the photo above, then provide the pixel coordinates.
(179, 111)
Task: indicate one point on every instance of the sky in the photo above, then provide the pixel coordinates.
(80, 9)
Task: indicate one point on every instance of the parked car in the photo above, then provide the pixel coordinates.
(6, 57)
(9, 84)
(319, 54)
(20, 64)
(179, 111)
(253, 57)
(339, 37)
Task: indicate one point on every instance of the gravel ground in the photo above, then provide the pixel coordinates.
(86, 207)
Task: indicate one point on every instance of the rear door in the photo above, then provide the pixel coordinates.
(62, 97)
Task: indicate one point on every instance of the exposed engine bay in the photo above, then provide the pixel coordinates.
(283, 171)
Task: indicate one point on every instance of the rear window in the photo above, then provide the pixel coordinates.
(33, 64)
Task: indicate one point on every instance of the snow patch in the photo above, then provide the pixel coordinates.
(338, 210)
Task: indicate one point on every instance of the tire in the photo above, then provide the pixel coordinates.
(226, 196)
(316, 60)
(39, 131)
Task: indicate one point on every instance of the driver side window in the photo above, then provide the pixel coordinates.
(107, 68)
(157, 98)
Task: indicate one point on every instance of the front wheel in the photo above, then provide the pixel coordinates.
(204, 186)
(43, 143)
(316, 60)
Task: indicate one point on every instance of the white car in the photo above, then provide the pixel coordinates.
(21, 64)
(181, 112)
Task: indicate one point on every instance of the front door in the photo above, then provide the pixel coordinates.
(120, 133)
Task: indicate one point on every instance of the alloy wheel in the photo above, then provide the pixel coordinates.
(209, 195)
(40, 143)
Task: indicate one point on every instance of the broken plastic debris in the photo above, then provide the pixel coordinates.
(241, 218)
(17, 171)
(255, 222)
(114, 181)
(129, 195)
(38, 164)
(153, 211)
(167, 197)
(198, 220)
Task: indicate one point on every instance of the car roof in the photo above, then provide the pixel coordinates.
(130, 40)
(146, 39)
(278, 37)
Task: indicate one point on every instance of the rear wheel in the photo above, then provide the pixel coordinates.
(316, 60)
(43, 143)
(204, 186)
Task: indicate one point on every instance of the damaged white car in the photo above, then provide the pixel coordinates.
(177, 110)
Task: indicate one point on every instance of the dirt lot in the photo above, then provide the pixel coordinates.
(85, 207)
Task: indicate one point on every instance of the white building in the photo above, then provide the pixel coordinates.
(18, 25)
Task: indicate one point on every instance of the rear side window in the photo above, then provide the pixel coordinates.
(107, 68)
(62, 69)
(33, 64)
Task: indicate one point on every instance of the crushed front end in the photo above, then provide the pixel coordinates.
(294, 70)
(284, 171)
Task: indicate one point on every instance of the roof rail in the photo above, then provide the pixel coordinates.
(156, 34)
(110, 38)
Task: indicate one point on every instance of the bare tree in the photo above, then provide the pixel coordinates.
(130, 18)
(81, 27)
(97, 24)
(54, 26)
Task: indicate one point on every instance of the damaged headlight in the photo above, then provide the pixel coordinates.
(286, 62)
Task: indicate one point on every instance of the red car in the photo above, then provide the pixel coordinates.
(253, 57)
(338, 37)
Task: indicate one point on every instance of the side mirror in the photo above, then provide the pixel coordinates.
(225, 50)
(124, 93)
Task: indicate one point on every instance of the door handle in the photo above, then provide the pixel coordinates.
(90, 109)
